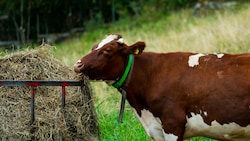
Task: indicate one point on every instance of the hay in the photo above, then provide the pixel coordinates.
(76, 122)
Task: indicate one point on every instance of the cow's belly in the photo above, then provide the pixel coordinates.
(232, 132)
(153, 127)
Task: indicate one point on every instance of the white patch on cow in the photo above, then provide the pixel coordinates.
(196, 126)
(79, 61)
(205, 113)
(121, 41)
(108, 39)
(219, 55)
(153, 126)
(194, 59)
(170, 137)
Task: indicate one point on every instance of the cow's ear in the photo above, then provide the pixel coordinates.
(137, 48)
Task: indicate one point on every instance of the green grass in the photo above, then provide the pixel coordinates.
(128, 130)
(226, 31)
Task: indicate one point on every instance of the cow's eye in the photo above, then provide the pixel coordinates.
(107, 52)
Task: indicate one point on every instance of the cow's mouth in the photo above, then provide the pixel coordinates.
(81, 74)
(90, 76)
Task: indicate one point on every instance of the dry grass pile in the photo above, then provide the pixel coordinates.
(76, 122)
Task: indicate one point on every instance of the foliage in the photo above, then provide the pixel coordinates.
(24, 19)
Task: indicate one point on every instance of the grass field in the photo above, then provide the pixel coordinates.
(222, 31)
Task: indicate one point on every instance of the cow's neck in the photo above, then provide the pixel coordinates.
(123, 81)
(143, 66)
(132, 83)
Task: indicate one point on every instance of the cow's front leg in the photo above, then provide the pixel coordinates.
(173, 123)
(151, 124)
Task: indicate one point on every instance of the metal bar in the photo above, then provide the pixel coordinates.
(63, 96)
(124, 96)
(40, 82)
(64, 84)
(36, 83)
(32, 105)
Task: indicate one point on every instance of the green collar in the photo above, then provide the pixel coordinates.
(118, 84)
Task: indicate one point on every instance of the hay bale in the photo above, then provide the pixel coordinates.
(76, 122)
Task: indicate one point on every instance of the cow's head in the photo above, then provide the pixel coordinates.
(108, 59)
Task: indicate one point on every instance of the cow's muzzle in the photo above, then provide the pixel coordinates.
(78, 66)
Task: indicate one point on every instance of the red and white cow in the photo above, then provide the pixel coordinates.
(177, 95)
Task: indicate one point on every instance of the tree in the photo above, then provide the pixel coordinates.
(31, 18)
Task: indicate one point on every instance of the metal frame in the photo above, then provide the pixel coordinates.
(36, 83)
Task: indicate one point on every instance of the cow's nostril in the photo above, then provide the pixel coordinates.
(78, 67)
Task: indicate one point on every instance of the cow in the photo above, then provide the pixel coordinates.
(176, 95)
